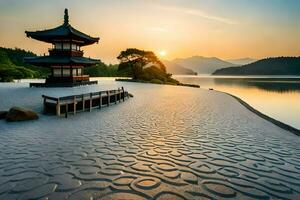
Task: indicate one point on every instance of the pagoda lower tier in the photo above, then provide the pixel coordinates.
(65, 71)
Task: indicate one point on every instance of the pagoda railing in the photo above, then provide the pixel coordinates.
(65, 52)
(67, 79)
(81, 78)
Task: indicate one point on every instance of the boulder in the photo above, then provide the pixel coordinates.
(20, 114)
(3, 114)
(130, 95)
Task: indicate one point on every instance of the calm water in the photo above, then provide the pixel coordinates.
(275, 96)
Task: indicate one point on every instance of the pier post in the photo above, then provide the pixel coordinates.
(74, 106)
(100, 100)
(116, 96)
(119, 91)
(123, 93)
(67, 110)
(91, 102)
(58, 107)
(83, 103)
(108, 98)
(44, 110)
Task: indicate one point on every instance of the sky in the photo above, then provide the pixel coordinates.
(227, 29)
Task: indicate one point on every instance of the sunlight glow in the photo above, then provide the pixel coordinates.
(162, 53)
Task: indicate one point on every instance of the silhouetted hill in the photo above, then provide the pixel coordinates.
(241, 61)
(12, 65)
(202, 65)
(177, 69)
(268, 66)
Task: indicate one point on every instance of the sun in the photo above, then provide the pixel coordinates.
(162, 53)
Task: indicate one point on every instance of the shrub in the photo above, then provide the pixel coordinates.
(156, 81)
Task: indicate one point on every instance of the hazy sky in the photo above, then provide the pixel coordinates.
(222, 28)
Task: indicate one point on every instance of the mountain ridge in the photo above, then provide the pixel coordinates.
(266, 66)
(177, 69)
(241, 61)
(201, 64)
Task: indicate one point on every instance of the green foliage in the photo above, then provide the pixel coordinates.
(10, 72)
(133, 62)
(16, 56)
(12, 65)
(102, 70)
(156, 81)
(144, 66)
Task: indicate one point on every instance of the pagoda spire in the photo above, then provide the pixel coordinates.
(66, 17)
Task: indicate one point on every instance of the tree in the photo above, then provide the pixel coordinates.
(133, 61)
(144, 66)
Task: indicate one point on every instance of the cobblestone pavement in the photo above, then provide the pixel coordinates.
(165, 143)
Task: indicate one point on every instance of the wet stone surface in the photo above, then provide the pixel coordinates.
(165, 143)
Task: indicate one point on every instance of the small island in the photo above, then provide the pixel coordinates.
(145, 67)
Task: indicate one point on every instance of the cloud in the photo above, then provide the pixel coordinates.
(199, 13)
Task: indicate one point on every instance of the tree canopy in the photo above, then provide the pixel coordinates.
(140, 56)
(134, 61)
(143, 65)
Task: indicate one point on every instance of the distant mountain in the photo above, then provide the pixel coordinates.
(202, 65)
(177, 69)
(268, 66)
(241, 61)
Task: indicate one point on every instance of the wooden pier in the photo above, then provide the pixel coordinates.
(83, 102)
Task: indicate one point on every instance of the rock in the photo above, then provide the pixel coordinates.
(20, 114)
(3, 114)
(130, 95)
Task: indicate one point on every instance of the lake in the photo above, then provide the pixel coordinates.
(275, 96)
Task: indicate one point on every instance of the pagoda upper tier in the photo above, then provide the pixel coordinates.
(63, 33)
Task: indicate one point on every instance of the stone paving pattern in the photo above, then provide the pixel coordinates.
(165, 143)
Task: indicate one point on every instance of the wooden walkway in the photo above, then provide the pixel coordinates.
(83, 102)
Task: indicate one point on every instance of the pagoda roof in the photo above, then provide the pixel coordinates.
(60, 60)
(63, 32)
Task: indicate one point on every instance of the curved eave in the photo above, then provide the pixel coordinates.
(57, 60)
(63, 32)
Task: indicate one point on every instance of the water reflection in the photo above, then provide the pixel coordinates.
(276, 85)
(274, 96)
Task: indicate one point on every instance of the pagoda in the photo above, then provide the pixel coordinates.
(65, 58)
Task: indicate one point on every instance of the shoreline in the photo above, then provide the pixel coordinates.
(162, 83)
(280, 124)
